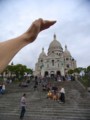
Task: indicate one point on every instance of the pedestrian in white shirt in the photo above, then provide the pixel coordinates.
(23, 106)
(62, 96)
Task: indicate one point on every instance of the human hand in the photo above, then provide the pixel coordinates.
(13, 46)
(36, 27)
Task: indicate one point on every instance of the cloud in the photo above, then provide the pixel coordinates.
(72, 27)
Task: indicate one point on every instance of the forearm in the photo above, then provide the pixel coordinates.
(9, 49)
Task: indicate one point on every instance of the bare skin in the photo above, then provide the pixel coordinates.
(9, 48)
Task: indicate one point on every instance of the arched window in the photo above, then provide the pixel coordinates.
(41, 60)
(52, 62)
(67, 65)
(58, 64)
(67, 58)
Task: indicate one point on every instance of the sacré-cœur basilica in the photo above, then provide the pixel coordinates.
(56, 62)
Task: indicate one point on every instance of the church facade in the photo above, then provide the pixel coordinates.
(55, 62)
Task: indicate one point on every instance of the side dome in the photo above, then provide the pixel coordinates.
(42, 54)
(66, 52)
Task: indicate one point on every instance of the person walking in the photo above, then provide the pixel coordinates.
(23, 106)
(3, 89)
(62, 97)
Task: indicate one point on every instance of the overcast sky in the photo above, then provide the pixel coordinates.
(72, 27)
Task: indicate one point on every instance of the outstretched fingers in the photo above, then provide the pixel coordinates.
(36, 27)
(46, 24)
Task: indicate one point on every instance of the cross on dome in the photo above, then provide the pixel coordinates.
(42, 49)
(65, 47)
(54, 36)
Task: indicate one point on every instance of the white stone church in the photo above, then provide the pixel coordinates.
(55, 62)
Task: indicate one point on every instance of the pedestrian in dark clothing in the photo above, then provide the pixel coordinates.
(36, 83)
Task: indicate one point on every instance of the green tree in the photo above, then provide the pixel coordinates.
(88, 69)
(70, 71)
(79, 69)
(18, 69)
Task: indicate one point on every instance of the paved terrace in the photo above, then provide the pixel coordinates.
(77, 106)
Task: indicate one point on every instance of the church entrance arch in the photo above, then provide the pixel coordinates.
(46, 73)
(52, 74)
(58, 73)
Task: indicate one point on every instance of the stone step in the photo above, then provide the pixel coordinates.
(77, 106)
(39, 117)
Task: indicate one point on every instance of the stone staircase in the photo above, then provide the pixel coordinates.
(77, 106)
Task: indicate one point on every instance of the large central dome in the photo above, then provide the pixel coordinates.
(55, 46)
(55, 43)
